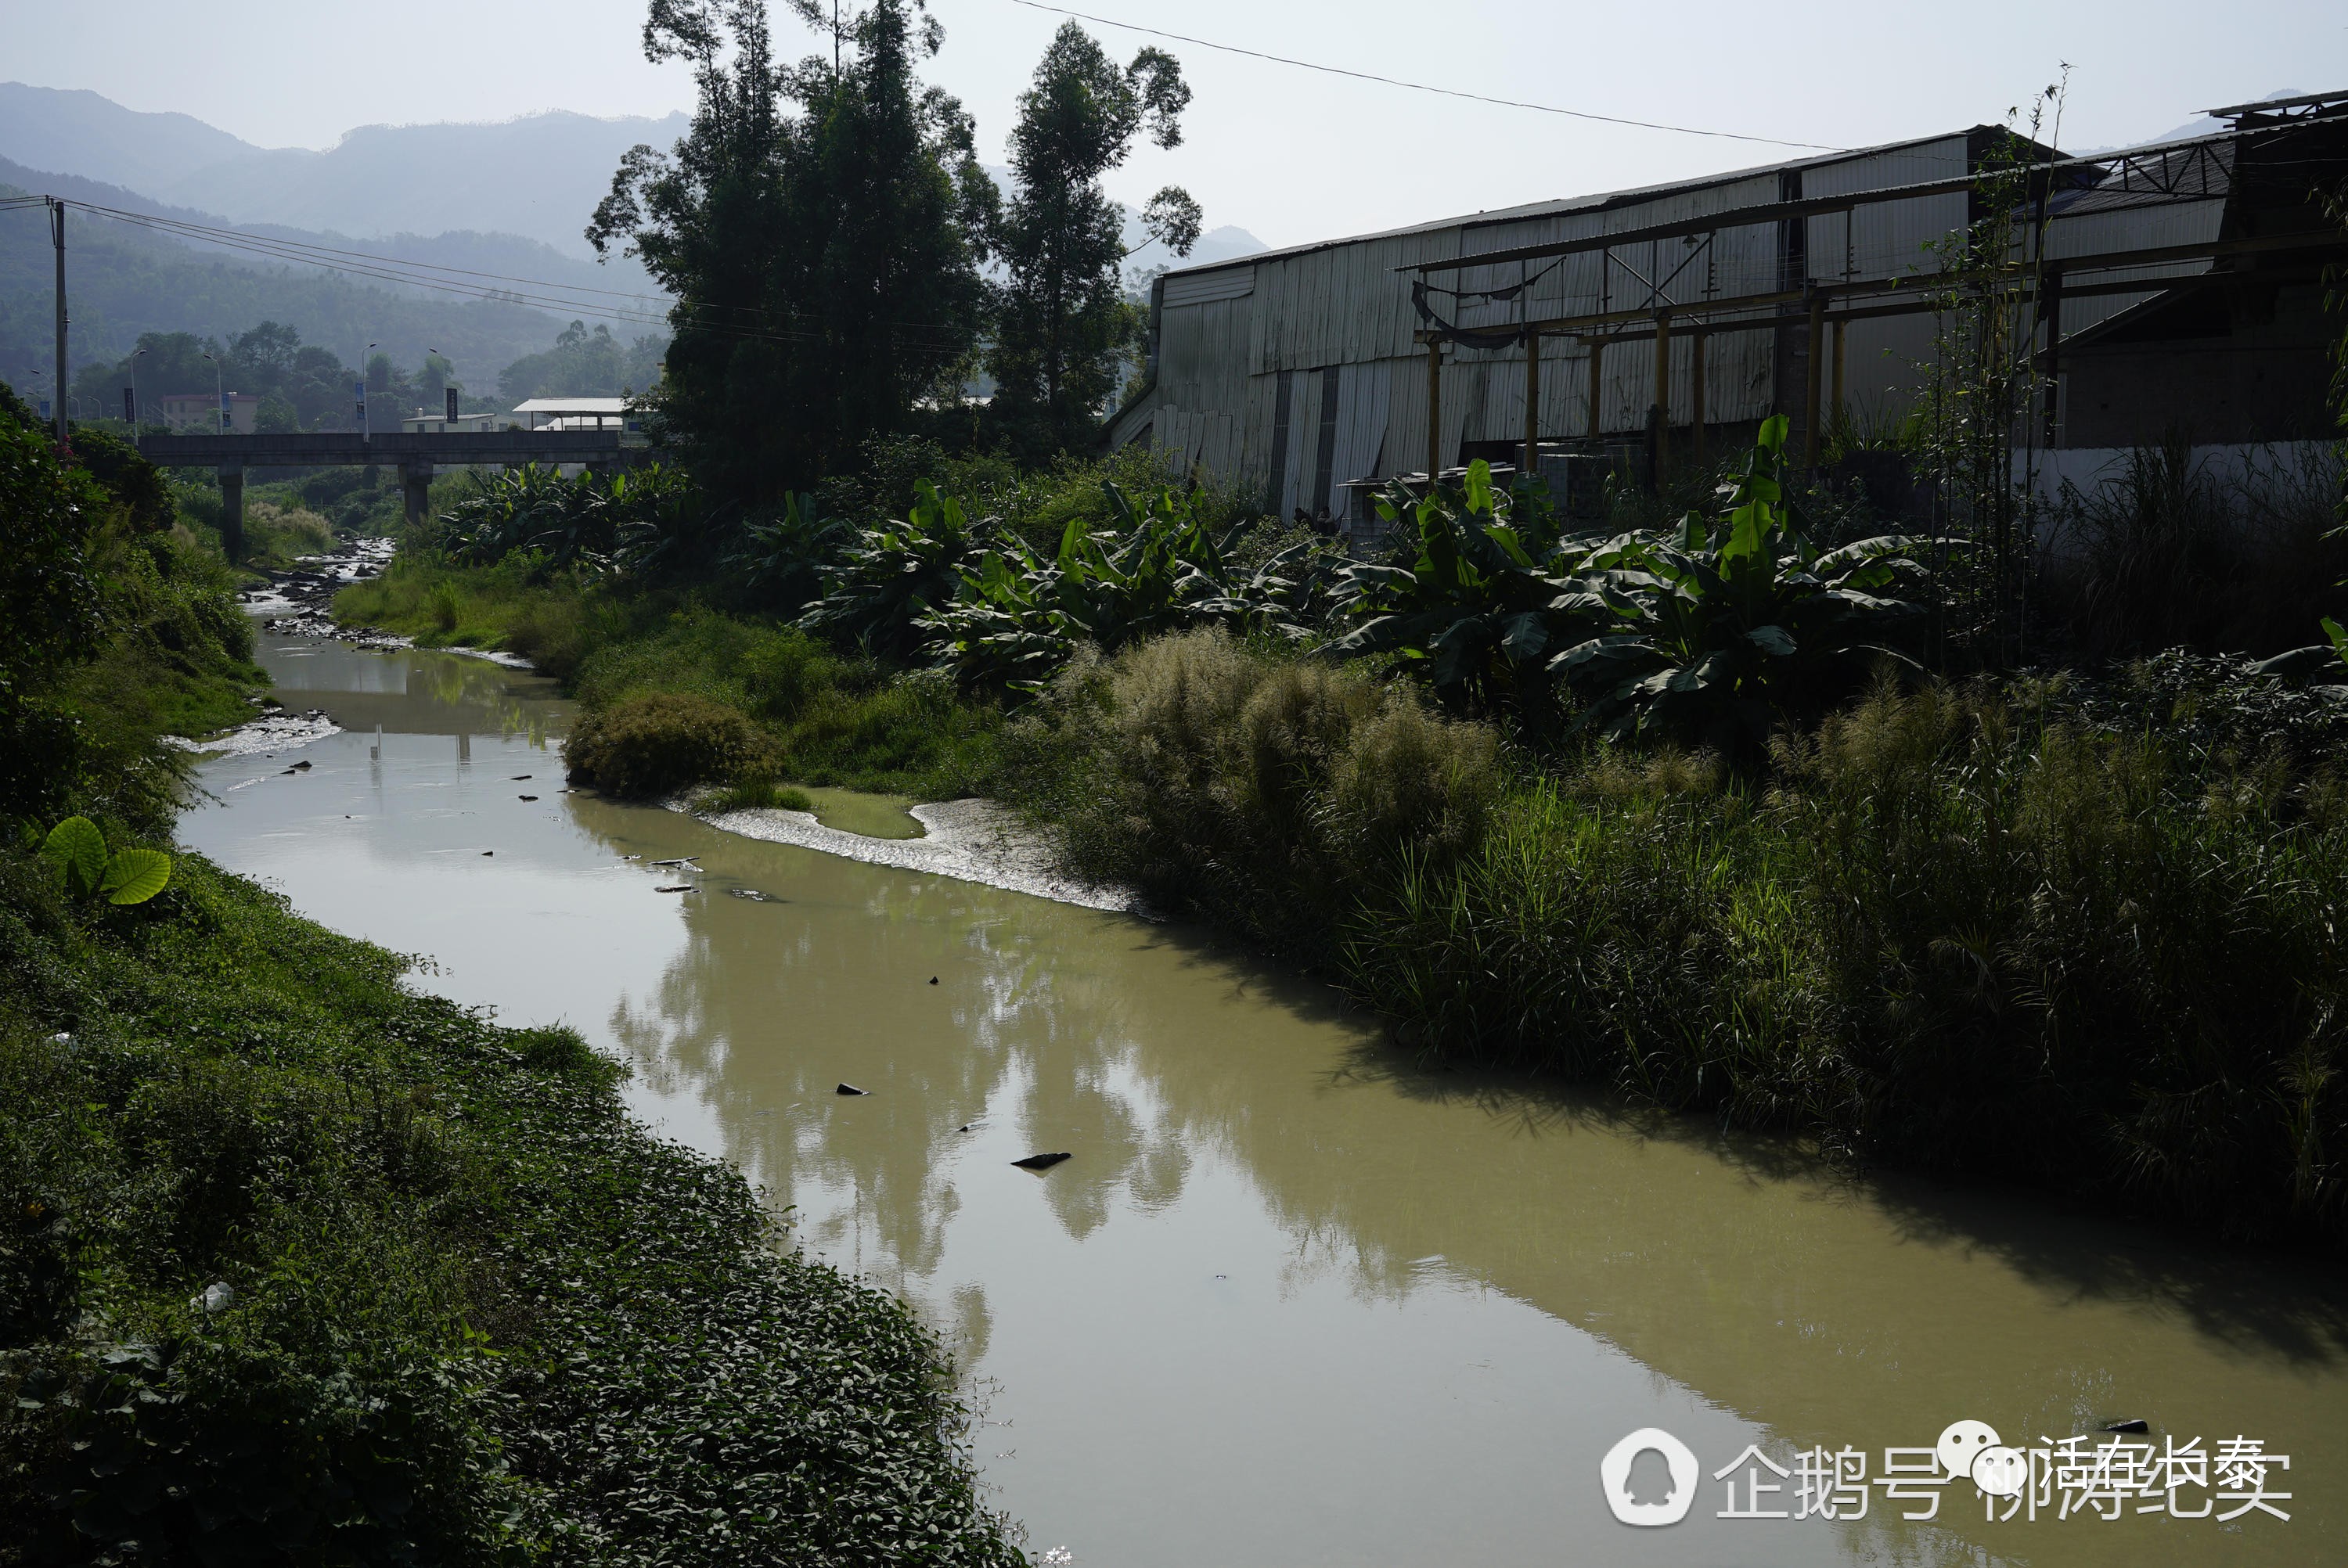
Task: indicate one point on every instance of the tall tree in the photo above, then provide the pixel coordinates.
(825, 262)
(1059, 314)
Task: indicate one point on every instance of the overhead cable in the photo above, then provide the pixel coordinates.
(656, 310)
(1424, 86)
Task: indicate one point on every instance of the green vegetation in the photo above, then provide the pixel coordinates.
(1991, 936)
(304, 1267)
(1721, 630)
(298, 1266)
(847, 235)
(77, 850)
(1060, 318)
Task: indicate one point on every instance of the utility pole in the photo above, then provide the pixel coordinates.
(58, 237)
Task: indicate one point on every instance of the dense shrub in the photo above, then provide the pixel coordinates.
(657, 743)
(1948, 930)
(1247, 784)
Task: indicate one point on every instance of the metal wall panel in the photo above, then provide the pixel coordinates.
(1227, 283)
(1226, 333)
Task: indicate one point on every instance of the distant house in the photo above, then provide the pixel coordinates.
(198, 413)
(580, 413)
(423, 423)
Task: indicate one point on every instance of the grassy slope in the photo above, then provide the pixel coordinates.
(821, 718)
(461, 1277)
(468, 1310)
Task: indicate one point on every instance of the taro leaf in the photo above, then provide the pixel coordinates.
(135, 876)
(1774, 639)
(76, 848)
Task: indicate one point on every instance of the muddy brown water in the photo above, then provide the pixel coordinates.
(1293, 1300)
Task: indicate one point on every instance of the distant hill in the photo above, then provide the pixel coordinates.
(539, 176)
(50, 127)
(122, 280)
(509, 199)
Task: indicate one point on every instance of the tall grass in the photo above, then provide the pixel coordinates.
(1943, 932)
(1252, 787)
(2174, 552)
(554, 620)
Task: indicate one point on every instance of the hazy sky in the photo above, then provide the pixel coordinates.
(1290, 154)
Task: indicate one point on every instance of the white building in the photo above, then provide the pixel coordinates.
(422, 423)
(198, 413)
(579, 414)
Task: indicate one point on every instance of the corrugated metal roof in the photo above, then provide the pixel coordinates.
(1596, 203)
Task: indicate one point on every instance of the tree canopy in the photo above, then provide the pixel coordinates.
(821, 225)
(1061, 319)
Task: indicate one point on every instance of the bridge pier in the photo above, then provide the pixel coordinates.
(416, 484)
(232, 483)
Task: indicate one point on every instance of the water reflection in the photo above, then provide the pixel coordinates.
(406, 692)
(1826, 1309)
(1293, 1300)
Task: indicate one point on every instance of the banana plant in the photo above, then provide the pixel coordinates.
(1726, 628)
(77, 849)
(1471, 612)
(781, 555)
(895, 575)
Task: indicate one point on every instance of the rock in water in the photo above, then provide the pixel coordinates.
(526, 797)
(1040, 1162)
(2133, 1424)
(850, 1088)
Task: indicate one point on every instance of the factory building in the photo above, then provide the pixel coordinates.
(2168, 287)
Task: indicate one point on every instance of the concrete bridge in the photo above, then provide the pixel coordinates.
(416, 456)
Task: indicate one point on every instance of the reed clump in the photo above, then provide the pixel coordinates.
(1245, 784)
(1941, 931)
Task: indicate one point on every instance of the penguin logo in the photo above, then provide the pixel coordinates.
(1649, 1494)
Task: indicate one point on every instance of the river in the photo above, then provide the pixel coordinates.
(1293, 1300)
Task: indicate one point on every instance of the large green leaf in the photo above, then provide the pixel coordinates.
(76, 848)
(135, 876)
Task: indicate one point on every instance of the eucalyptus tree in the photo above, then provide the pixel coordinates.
(821, 225)
(1061, 321)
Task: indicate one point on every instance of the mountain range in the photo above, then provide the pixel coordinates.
(509, 199)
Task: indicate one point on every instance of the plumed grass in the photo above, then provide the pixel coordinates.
(1943, 931)
(1254, 787)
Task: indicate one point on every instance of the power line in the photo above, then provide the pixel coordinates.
(417, 274)
(1424, 86)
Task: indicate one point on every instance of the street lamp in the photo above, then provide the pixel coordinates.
(136, 356)
(366, 425)
(221, 387)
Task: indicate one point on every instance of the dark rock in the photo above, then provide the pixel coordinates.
(934, 980)
(850, 1088)
(676, 887)
(525, 797)
(2133, 1424)
(1040, 1162)
(486, 853)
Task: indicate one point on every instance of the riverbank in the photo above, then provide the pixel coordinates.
(298, 1263)
(2075, 932)
(404, 1281)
